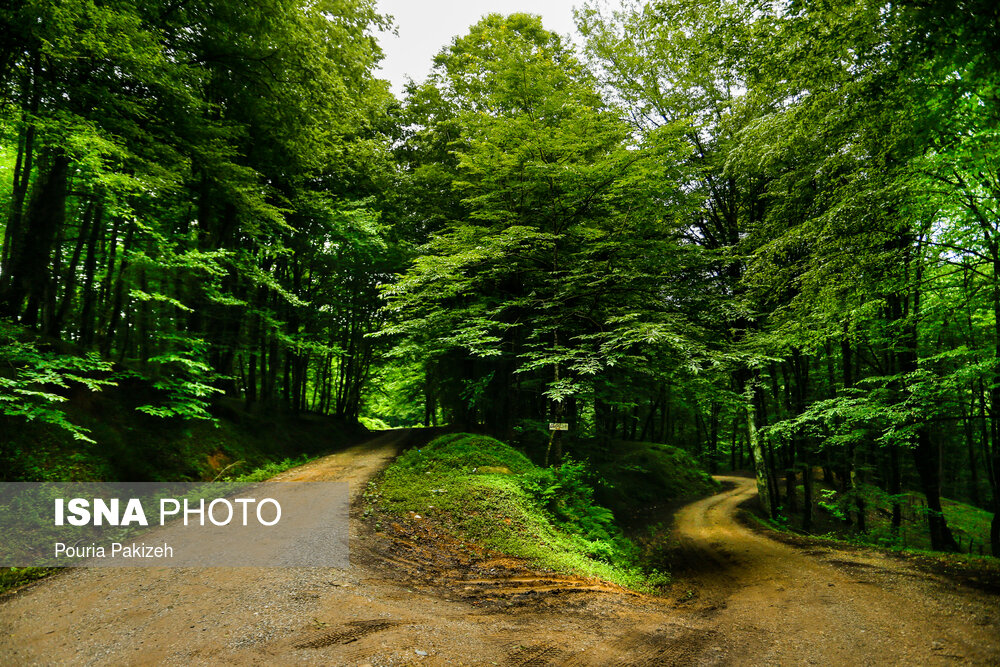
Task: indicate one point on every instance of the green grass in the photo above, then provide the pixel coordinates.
(490, 493)
(272, 468)
(12, 577)
(968, 522)
(982, 566)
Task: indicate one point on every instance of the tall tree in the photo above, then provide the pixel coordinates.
(551, 278)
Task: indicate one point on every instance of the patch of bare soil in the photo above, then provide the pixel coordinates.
(415, 595)
(426, 558)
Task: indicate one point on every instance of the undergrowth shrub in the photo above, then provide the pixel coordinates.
(566, 492)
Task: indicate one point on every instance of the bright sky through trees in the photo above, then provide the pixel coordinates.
(425, 26)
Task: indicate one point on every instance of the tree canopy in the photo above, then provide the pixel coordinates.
(768, 232)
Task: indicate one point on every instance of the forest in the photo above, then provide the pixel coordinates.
(766, 232)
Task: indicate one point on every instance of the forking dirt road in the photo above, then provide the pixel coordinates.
(414, 596)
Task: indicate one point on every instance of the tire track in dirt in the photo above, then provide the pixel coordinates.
(354, 631)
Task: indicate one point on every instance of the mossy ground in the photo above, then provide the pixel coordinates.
(634, 475)
(489, 493)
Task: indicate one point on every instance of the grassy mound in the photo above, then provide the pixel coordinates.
(636, 474)
(490, 493)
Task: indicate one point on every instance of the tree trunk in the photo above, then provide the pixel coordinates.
(927, 458)
(88, 308)
(970, 447)
(117, 299)
(994, 411)
(22, 178)
(807, 500)
(851, 477)
(46, 215)
(895, 488)
(757, 454)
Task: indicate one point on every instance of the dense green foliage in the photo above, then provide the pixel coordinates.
(131, 446)
(188, 189)
(767, 233)
(492, 494)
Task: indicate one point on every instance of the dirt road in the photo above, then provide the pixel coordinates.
(772, 603)
(413, 596)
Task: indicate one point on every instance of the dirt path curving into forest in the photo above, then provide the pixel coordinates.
(415, 596)
(772, 603)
